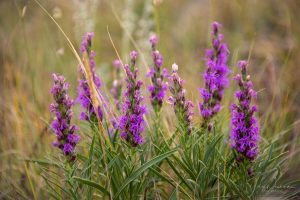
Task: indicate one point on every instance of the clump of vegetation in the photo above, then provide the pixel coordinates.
(137, 128)
(122, 158)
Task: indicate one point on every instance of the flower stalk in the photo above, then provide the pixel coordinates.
(183, 108)
(62, 109)
(131, 123)
(215, 77)
(244, 134)
(158, 87)
(91, 112)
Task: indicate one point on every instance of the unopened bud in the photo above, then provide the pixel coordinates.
(115, 83)
(174, 67)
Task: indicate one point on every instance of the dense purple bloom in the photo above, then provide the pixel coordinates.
(158, 87)
(244, 134)
(215, 76)
(183, 108)
(116, 89)
(131, 123)
(61, 125)
(84, 93)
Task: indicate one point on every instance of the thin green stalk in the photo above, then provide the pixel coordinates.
(30, 182)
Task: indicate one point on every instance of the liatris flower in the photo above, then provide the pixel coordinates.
(215, 76)
(84, 93)
(131, 124)
(183, 108)
(62, 109)
(244, 126)
(158, 88)
(116, 89)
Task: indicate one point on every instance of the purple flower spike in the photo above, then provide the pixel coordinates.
(183, 108)
(61, 125)
(84, 94)
(244, 134)
(158, 87)
(215, 76)
(131, 123)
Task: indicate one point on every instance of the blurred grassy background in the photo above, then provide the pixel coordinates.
(32, 47)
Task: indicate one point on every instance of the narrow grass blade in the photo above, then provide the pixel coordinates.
(92, 184)
(143, 168)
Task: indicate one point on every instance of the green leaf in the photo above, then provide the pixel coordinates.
(173, 194)
(157, 173)
(211, 148)
(169, 181)
(179, 174)
(143, 168)
(41, 162)
(92, 184)
(53, 187)
(89, 169)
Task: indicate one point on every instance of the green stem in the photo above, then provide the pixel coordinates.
(156, 16)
